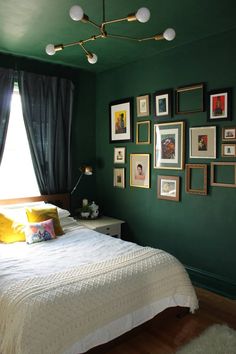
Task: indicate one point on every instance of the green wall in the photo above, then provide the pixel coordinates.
(199, 230)
(83, 121)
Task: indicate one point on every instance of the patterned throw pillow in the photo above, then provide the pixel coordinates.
(39, 231)
(42, 214)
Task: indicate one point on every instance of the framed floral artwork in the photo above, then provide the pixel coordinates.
(219, 105)
(140, 170)
(169, 145)
(121, 120)
(202, 142)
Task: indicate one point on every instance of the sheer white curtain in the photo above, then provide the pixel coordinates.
(17, 176)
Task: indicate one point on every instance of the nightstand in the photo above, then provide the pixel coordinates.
(104, 224)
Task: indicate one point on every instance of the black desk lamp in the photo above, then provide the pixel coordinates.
(85, 170)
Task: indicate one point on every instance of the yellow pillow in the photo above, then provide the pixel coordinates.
(10, 230)
(43, 214)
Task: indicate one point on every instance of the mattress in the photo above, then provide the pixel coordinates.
(73, 256)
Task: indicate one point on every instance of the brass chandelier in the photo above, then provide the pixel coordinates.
(77, 14)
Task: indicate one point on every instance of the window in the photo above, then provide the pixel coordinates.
(17, 177)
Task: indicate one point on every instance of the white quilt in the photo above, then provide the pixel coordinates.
(55, 293)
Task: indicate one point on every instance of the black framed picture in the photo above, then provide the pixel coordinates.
(219, 105)
(163, 101)
(121, 120)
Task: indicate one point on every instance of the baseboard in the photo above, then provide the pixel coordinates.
(213, 282)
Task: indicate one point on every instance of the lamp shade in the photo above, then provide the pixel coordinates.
(169, 34)
(92, 58)
(76, 13)
(88, 170)
(143, 14)
(50, 49)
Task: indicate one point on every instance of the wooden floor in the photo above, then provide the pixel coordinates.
(166, 332)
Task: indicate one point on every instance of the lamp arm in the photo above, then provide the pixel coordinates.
(76, 185)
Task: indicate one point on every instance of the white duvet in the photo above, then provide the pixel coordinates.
(43, 267)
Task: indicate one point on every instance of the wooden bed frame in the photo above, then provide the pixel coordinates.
(61, 200)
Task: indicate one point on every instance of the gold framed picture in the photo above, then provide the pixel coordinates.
(143, 132)
(169, 145)
(143, 106)
(140, 170)
(119, 177)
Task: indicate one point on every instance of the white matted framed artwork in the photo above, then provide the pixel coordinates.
(119, 177)
(119, 154)
(143, 106)
(121, 120)
(140, 170)
(202, 142)
(168, 188)
(169, 145)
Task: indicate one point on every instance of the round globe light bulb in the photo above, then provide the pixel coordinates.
(93, 59)
(76, 13)
(143, 14)
(169, 34)
(50, 49)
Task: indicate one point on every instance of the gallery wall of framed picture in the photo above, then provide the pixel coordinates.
(161, 135)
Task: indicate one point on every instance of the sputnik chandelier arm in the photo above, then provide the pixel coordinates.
(77, 14)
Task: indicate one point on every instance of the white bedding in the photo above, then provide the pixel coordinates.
(80, 247)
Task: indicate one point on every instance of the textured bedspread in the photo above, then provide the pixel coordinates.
(46, 315)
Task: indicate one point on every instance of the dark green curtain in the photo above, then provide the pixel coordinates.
(6, 89)
(47, 110)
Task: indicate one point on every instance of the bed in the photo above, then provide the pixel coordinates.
(82, 289)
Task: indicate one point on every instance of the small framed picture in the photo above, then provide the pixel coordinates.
(121, 120)
(140, 170)
(168, 188)
(228, 150)
(163, 103)
(229, 134)
(143, 132)
(119, 177)
(202, 141)
(219, 104)
(169, 145)
(119, 154)
(143, 106)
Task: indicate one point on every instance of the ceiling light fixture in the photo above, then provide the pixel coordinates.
(77, 14)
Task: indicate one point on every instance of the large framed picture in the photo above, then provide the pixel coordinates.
(168, 188)
(202, 142)
(163, 103)
(121, 120)
(119, 154)
(219, 104)
(140, 170)
(143, 106)
(119, 177)
(169, 145)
